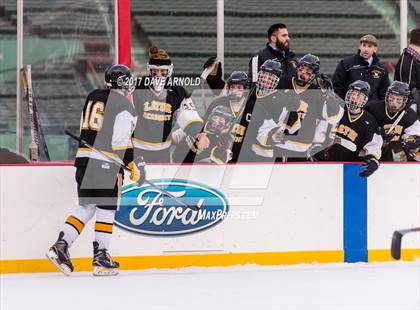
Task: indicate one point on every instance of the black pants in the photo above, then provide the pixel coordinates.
(99, 183)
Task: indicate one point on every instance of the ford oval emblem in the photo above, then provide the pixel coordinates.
(146, 210)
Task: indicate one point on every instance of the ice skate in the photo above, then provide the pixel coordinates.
(59, 255)
(103, 265)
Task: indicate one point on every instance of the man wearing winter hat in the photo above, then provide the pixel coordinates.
(365, 66)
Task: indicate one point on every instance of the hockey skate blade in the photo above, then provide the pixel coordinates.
(103, 271)
(52, 257)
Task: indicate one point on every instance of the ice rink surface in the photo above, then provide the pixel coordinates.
(393, 285)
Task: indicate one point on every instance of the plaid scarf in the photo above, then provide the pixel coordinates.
(413, 53)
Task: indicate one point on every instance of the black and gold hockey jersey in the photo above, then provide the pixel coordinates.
(157, 113)
(270, 113)
(316, 113)
(362, 130)
(241, 119)
(408, 125)
(107, 123)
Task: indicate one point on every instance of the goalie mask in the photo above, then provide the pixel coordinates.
(159, 66)
(357, 96)
(307, 69)
(220, 120)
(119, 77)
(397, 96)
(268, 77)
(237, 84)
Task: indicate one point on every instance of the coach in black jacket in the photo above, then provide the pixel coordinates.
(277, 49)
(364, 65)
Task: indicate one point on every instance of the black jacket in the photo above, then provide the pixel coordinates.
(287, 60)
(408, 70)
(353, 68)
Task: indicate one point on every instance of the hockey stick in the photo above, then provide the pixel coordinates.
(121, 165)
(351, 146)
(38, 150)
(396, 241)
(394, 124)
(34, 145)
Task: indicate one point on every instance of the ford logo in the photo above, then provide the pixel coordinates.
(146, 210)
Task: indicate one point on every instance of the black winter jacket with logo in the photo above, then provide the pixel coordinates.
(353, 68)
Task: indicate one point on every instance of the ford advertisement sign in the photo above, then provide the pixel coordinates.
(148, 211)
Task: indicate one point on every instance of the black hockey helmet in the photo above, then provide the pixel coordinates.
(119, 76)
(308, 61)
(272, 66)
(238, 77)
(220, 120)
(357, 96)
(268, 77)
(397, 96)
(361, 86)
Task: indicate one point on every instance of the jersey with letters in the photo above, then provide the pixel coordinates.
(408, 125)
(315, 111)
(107, 123)
(157, 112)
(270, 113)
(183, 151)
(362, 130)
(242, 119)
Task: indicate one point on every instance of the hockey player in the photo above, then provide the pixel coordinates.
(399, 125)
(240, 110)
(317, 110)
(218, 131)
(107, 122)
(159, 104)
(359, 127)
(269, 124)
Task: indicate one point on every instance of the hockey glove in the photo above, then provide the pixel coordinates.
(371, 164)
(209, 62)
(137, 173)
(217, 71)
(411, 144)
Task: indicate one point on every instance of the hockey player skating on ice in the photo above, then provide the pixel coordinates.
(159, 105)
(399, 125)
(107, 122)
(359, 127)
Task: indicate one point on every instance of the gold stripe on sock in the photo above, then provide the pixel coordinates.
(103, 227)
(76, 223)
